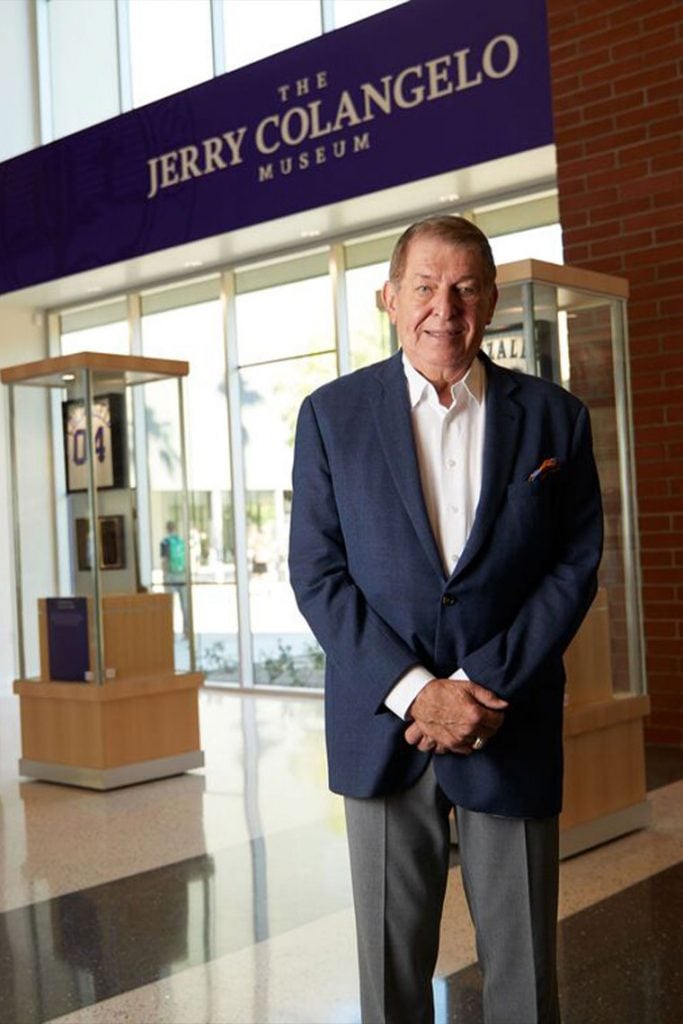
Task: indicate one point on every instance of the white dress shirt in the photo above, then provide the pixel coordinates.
(450, 447)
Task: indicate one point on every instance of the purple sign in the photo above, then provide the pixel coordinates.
(421, 89)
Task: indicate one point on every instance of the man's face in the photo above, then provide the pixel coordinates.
(441, 307)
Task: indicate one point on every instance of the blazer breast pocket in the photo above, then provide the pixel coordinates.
(531, 512)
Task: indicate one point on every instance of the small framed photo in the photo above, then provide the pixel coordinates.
(112, 544)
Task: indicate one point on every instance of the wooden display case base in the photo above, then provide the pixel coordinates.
(604, 775)
(118, 734)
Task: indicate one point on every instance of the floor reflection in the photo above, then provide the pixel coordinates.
(619, 961)
(621, 958)
(89, 945)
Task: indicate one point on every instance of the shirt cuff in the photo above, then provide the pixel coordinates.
(404, 692)
(460, 674)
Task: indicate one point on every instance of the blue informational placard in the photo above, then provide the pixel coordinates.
(68, 639)
(421, 89)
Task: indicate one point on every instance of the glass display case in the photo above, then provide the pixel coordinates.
(102, 701)
(570, 326)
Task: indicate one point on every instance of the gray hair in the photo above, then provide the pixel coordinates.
(456, 231)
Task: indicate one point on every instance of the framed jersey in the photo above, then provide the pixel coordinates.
(108, 439)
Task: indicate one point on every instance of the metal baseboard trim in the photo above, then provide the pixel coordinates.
(111, 778)
(605, 828)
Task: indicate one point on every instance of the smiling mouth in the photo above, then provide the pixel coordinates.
(444, 332)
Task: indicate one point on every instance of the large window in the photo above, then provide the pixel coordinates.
(95, 329)
(544, 243)
(348, 11)
(126, 53)
(185, 323)
(255, 30)
(170, 46)
(83, 79)
(286, 348)
(371, 336)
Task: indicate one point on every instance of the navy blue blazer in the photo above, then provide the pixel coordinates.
(368, 578)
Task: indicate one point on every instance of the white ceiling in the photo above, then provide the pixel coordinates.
(496, 182)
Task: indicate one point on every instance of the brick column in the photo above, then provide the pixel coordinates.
(617, 80)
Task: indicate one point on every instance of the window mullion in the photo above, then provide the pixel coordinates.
(44, 71)
(340, 306)
(218, 37)
(238, 481)
(124, 59)
(327, 15)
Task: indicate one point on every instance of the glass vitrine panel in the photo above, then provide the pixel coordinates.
(569, 326)
(83, 561)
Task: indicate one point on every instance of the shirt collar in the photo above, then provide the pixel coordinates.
(473, 383)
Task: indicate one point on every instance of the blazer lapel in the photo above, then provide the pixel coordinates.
(504, 418)
(394, 428)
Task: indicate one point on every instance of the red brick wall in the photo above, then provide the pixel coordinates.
(617, 79)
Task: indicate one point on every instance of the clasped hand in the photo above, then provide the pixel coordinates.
(449, 715)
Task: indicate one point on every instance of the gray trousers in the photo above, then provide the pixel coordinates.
(399, 848)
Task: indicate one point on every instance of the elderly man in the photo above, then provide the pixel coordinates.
(446, 533)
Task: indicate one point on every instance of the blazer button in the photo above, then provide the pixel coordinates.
(448, 600)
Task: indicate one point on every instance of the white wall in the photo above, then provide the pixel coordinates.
(19, 106)
(21, 341)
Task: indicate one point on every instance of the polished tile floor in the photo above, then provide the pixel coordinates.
(222, 896)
